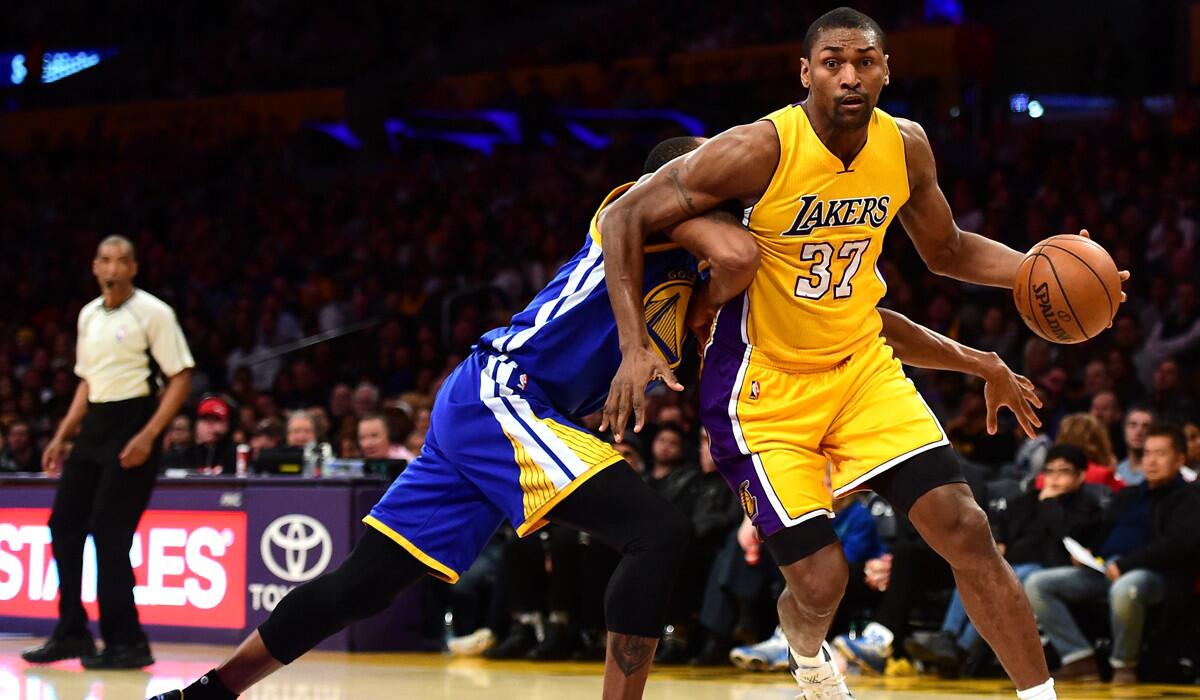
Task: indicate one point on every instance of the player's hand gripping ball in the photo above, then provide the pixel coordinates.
(1068, 289)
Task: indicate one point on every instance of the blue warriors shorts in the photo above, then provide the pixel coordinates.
(496, 449)
(789, 442)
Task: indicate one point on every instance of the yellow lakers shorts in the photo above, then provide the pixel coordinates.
(775, 433)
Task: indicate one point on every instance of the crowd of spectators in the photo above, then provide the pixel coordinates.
(263, 240)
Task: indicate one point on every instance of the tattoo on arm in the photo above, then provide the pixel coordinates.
(631, 653)
(685, 197)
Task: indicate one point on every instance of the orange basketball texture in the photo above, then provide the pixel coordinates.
(1067, 289)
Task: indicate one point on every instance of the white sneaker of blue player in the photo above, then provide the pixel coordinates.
(824, 682)
(770, 654)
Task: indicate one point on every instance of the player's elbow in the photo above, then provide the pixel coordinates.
(739, 256)
(944, 260)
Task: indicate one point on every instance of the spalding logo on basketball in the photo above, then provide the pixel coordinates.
(1067, 289)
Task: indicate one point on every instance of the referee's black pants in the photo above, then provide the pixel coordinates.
(96, 496)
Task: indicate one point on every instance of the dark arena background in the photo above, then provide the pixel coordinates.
(339, 200)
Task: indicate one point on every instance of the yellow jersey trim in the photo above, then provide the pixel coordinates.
(536, 519)
(438, 569)
(594, 229)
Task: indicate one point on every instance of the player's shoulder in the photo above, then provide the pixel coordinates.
(756, 143)
(912, 132)
(918, 154)
(756, 136)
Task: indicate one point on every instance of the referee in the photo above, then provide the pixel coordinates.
(127, 337)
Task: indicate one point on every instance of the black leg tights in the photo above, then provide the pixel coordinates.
(364, 585)
(652, 536)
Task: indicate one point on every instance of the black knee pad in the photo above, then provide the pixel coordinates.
(364, 585)
(801, 541)
(906, 482)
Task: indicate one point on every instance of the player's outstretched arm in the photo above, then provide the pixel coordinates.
(918, 346)
(737, 164)
(945, 248)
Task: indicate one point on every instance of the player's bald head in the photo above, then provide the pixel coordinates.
(123, 244)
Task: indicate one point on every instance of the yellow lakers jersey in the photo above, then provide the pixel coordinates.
(820, 227)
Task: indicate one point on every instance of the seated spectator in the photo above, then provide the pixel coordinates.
(365, 399)
(968, 432)
(1085, 432)
(375, 441)
(540, 577)
(1030, 537)
(266, 436)
(20, 454)
(630, 448)
(1191, 431)
(1137, 423)
(320, 418)
(1167, 397)
(1031, 455)
(177, 443)
(301, 429)
(674, 479)
(1152, 545)
(416, 439)
(213, 451)
(1106, 407)
(716, 513)
(1176, 335)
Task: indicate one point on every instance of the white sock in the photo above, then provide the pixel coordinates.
(808, 661)
(1044, 691)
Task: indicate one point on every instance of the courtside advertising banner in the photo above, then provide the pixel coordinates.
(190, 567)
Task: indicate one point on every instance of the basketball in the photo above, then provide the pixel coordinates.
(1067, 289)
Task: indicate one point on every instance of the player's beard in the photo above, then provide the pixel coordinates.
(853, 119)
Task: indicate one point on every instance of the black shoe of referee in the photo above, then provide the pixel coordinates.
(58, 649)
(119, 656)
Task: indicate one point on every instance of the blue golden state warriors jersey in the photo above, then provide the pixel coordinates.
(566, 339)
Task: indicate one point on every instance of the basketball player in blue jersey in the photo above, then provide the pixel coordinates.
(505, 442)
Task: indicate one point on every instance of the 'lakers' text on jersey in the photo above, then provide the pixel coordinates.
(820, 227)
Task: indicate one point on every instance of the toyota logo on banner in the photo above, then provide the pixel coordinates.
(305, 544)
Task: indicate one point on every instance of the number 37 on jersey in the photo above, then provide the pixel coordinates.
(824, 261)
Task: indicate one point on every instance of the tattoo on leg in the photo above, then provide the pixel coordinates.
(631, 653)
(685, 197)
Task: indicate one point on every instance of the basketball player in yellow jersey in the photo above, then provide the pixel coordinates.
(796, 374)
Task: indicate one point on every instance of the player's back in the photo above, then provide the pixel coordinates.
(820, 227)
(566, 338)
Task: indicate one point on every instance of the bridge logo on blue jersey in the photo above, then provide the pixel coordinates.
(666, 307)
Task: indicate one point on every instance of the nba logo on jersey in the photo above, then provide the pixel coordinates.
(524, 379)
(749, 500)
(754, 390)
